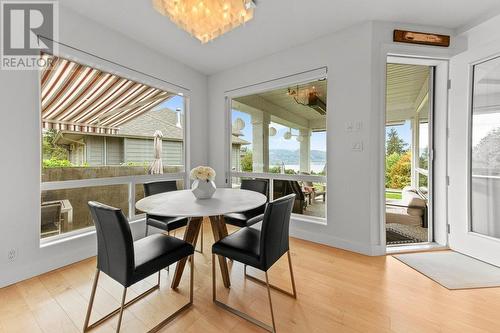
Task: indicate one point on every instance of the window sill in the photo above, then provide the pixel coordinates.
(309, 219)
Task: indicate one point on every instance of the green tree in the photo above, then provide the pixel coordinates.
(400, 172)
(394, 143)
(247, 162)
(486, 154)
(51, 151)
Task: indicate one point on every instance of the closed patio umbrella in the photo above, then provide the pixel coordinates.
(157, 166)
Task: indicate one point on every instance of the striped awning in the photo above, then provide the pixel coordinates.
(80, 98)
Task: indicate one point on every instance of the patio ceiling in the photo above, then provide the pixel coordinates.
(407, 86)
(284, 109)
(80, 98)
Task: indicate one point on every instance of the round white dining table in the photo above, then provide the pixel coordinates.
(184, 203)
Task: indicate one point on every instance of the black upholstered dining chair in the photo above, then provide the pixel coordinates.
(241, 219)
(259, 248)
(166, 223)
(128, 262)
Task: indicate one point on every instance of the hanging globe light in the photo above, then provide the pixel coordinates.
(239, 124)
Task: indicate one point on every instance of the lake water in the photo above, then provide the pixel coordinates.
(316, 167)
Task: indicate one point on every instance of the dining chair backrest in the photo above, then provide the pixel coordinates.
(256, 185)
(115, 245)
(159, 187)
(275, 230)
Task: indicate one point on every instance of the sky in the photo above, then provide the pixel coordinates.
(318, 139)
(404, 132)
(172, 103)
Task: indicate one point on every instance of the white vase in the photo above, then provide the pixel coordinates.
(203, 189)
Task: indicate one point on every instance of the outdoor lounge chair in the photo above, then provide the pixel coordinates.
(50, 222)
(410, 210)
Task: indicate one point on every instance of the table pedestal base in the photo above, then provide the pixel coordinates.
(219, 231)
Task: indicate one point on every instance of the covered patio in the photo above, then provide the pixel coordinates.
(285, 127)
(407, 152)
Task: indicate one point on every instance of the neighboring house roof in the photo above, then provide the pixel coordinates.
(142, 127)
(145, 125)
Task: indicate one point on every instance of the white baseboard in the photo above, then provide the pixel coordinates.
(298, 230)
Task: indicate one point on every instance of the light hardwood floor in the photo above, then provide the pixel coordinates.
(338, 291)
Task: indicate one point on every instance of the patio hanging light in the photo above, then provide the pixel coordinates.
(206, 19)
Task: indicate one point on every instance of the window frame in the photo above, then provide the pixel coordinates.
(114, 68)
(276, 83)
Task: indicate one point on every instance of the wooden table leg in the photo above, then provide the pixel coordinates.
(220, 231)
(190, 236)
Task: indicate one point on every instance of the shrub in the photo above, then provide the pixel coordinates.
(56, 163)
(247, 162)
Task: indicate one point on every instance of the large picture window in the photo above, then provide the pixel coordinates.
(485, 149)
(280, 135)
(98, 132)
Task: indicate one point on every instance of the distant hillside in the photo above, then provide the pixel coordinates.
(276, 156)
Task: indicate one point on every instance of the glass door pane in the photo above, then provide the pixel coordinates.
(485, 145)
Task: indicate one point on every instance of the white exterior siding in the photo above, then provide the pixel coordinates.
(141, 150)
(173, 153)
(235, 157)
(95, 150)
(114, 151)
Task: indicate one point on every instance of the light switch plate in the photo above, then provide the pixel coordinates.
(357, 146)
(349, 126)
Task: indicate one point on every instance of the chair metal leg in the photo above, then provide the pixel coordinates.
(91, 300)
(213, 278)
(191, 280)
(124, 305)
(87, 327)
(184, 307)
(270, 302)
(121, 310)
(294, 291)
(146, 233)
(291, 274)
(236, 311)
(168, 267)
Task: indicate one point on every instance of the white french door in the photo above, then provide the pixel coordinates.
(474, 153)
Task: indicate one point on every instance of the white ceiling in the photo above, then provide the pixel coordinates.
(277, 25)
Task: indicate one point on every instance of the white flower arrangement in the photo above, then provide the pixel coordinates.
(202, 173)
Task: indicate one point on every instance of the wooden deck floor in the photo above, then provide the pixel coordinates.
(338, 291)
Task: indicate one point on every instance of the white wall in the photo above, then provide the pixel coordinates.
(355, 58)
(347, 55)
(20, 142)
